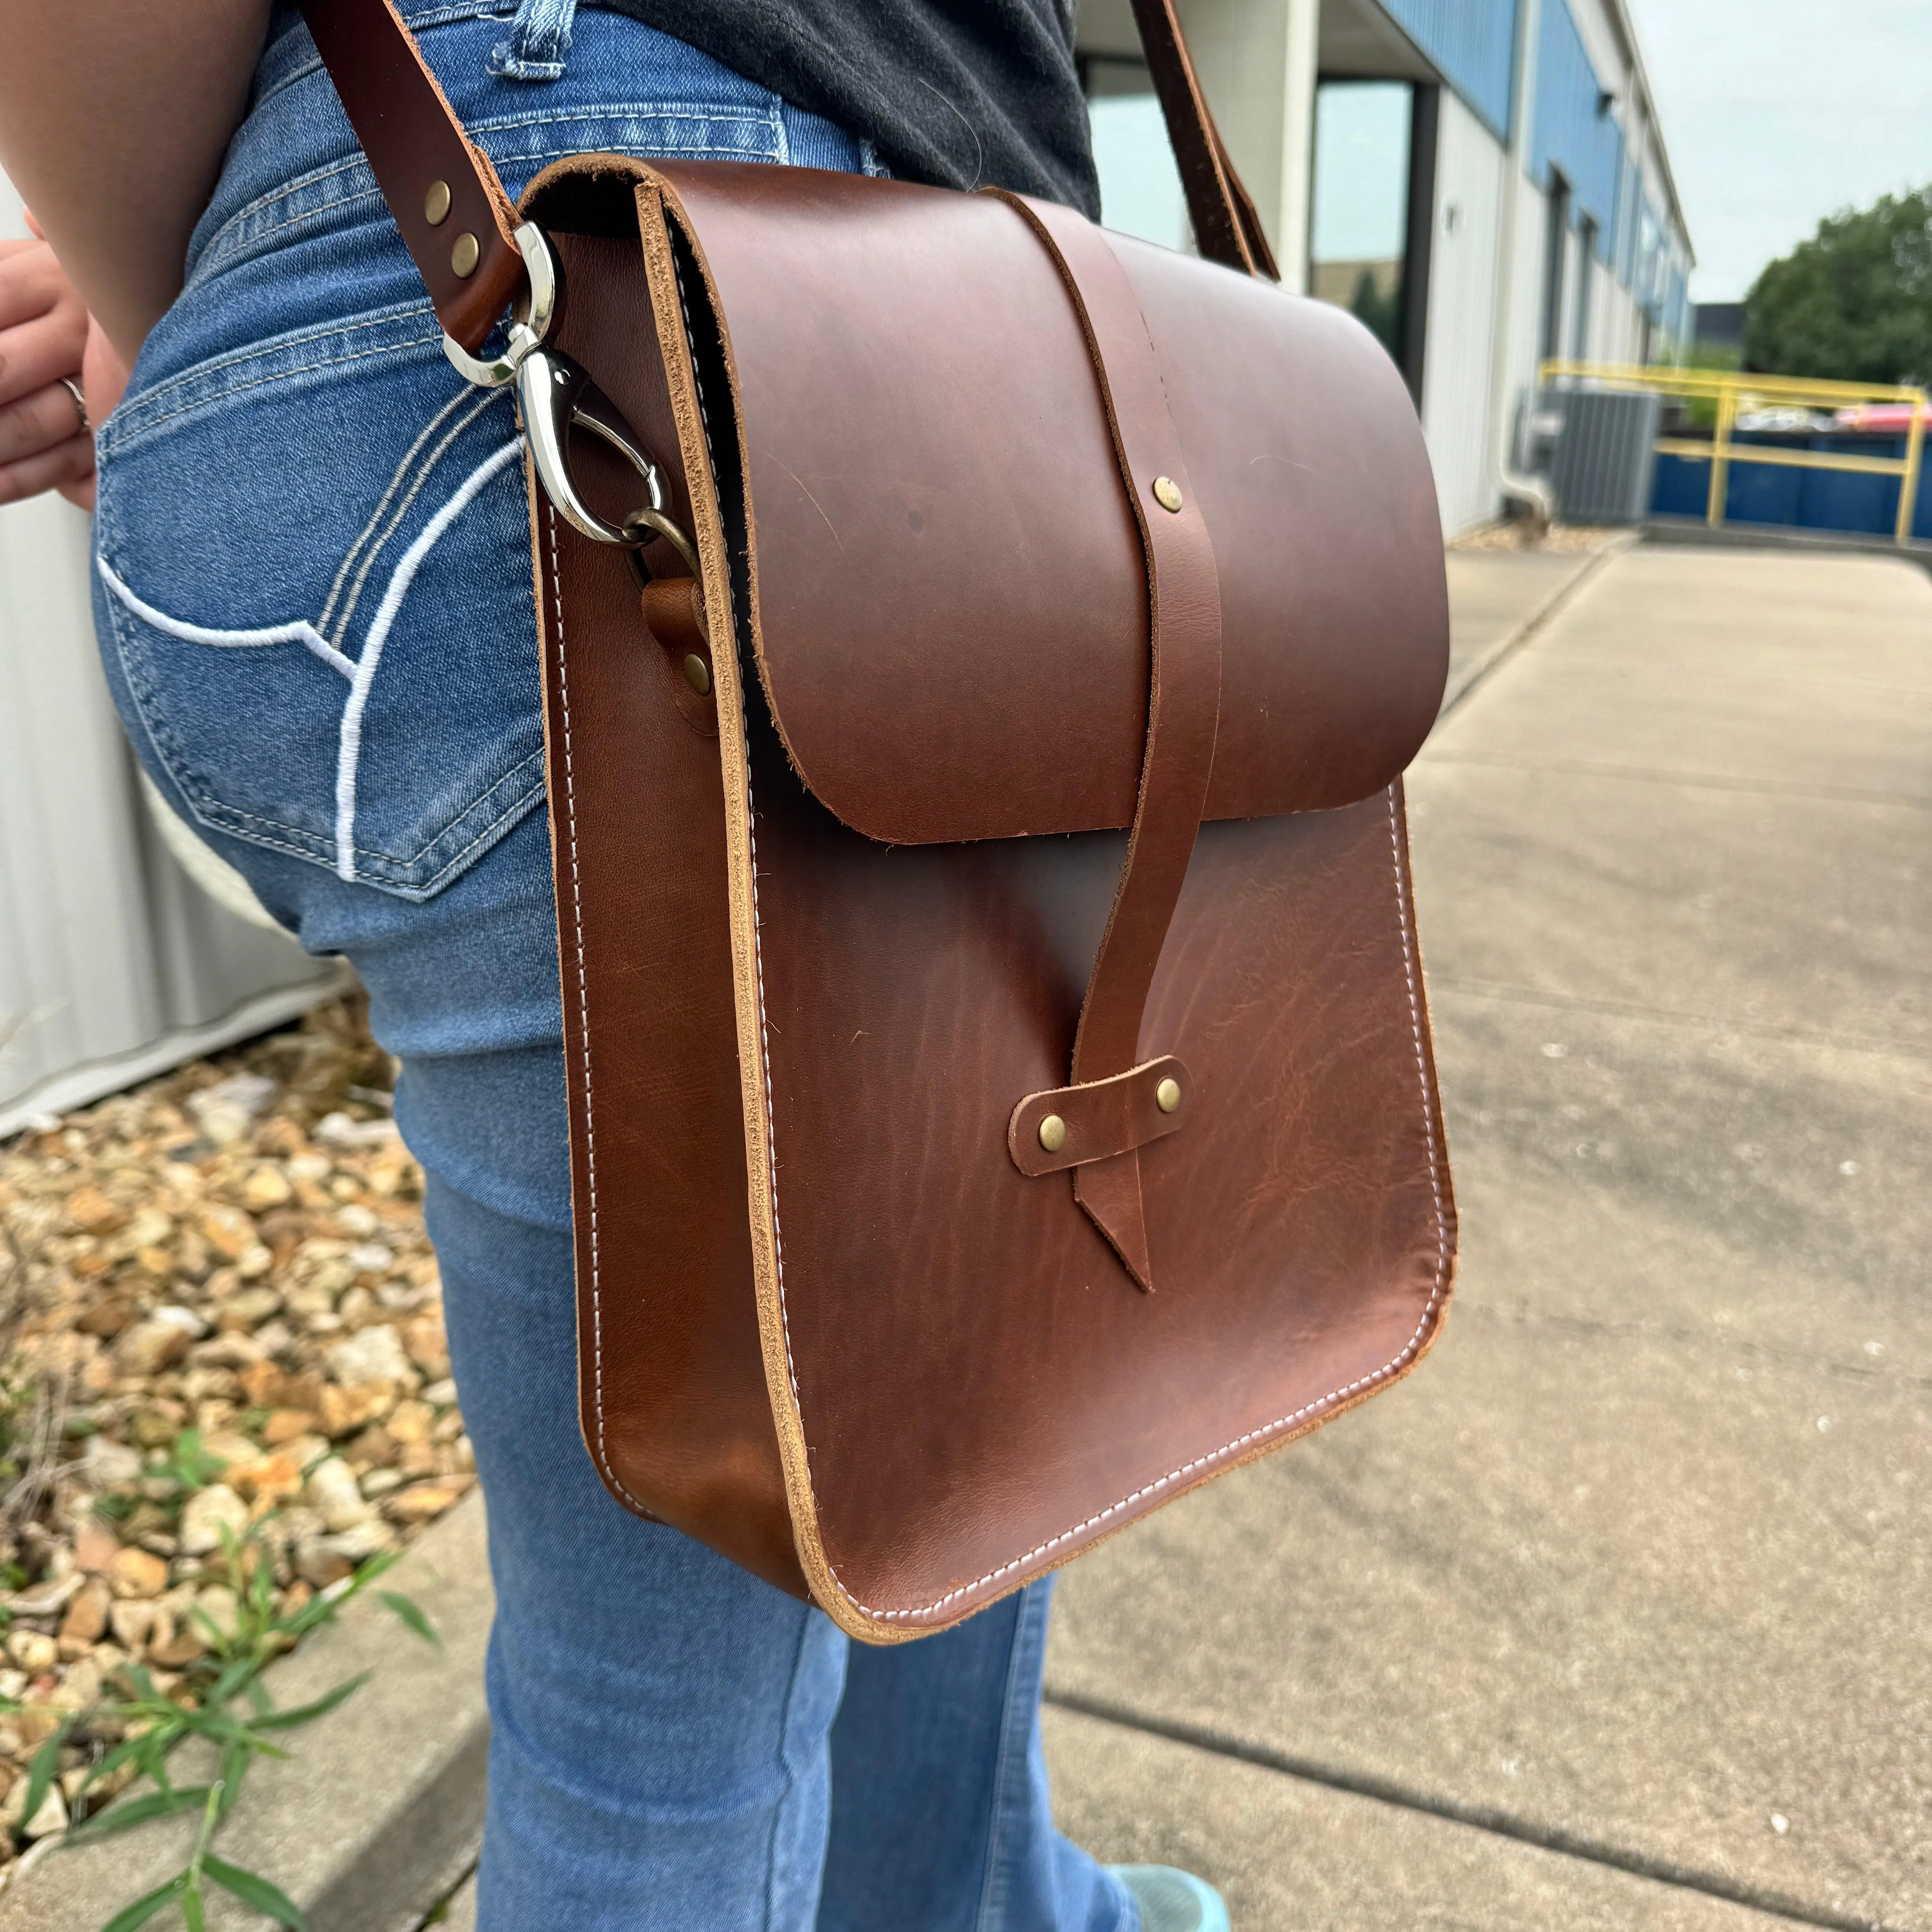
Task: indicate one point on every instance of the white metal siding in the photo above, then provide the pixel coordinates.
(1469, 176)
(112, 965)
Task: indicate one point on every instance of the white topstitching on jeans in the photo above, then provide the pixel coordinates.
(350, 748)
(300, 632)
(361, 672)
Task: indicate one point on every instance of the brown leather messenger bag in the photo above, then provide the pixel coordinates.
(1000, 1089)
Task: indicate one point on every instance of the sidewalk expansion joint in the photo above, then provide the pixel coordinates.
(1723, 1023)
(1478, 1817)
(1686, 781)
(1538, 620)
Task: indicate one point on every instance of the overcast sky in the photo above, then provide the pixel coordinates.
(1777, 113)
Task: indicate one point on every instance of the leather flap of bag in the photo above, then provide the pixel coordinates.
(948, 592)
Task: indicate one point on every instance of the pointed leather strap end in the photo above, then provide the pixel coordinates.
(1110, 1192)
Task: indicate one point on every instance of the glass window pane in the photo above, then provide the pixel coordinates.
(1140, 186)
(1359, 231)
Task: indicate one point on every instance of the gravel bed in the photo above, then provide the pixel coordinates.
(221, 1330)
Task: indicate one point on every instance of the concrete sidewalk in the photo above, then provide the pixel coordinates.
(1497, 596)
(1617, 1614)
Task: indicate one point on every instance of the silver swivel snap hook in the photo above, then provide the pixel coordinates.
(555, 395)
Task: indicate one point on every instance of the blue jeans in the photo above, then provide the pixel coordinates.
(313, 596)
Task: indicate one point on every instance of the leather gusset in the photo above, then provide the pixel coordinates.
(948, 592)
(674, 1403)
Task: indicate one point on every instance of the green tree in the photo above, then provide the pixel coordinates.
(1853, 303)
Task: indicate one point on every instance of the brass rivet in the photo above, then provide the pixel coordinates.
(1167, 492)
(435, 204)
(1053, 1133)
(467, 252)
(1167, 1095)
(697, 675)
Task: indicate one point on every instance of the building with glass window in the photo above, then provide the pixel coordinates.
(1484, 182)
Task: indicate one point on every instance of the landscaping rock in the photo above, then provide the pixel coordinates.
(150, 1346)
(332, 1490)
(45, 1599)
(375, 1355)
(85, 1621)
(210, 1290)
(225, 1111)
(137, 1573)
(106, 1464)
(206, 1514)
(33, 1651)
(50, 1816)
(221, 1606)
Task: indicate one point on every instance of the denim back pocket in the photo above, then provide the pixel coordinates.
(312, 581)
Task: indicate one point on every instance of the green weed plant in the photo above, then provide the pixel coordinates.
(223, 1702)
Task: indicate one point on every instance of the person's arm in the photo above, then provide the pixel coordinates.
(114, 117)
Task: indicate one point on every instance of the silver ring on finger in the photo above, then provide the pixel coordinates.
(73, 389)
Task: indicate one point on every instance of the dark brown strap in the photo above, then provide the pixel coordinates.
(1226, 228)
(1183, 695)
(414, 142)
(418, 150)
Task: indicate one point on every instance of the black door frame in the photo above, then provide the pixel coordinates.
(1425, 122)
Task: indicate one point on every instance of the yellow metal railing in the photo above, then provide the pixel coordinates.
(1734, 393)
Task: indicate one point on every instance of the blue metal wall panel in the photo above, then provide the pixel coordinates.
(1569, 132)
(1471, 43)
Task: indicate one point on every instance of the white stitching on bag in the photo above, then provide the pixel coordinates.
(603, 1454)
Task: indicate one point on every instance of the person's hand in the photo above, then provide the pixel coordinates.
(47, 339)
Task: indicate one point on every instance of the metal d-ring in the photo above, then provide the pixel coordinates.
(527, 332)
(641, 526)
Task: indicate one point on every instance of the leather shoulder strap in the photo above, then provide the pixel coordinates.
(459, 225)
(455, 218)
(1226, 228)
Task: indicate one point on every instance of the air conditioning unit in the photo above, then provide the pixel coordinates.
(1603, 453)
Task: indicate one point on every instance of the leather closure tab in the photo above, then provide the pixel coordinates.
(1101, 1119)
(1183, 696)
(673, 613)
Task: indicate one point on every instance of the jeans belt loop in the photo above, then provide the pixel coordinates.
(539, 40)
